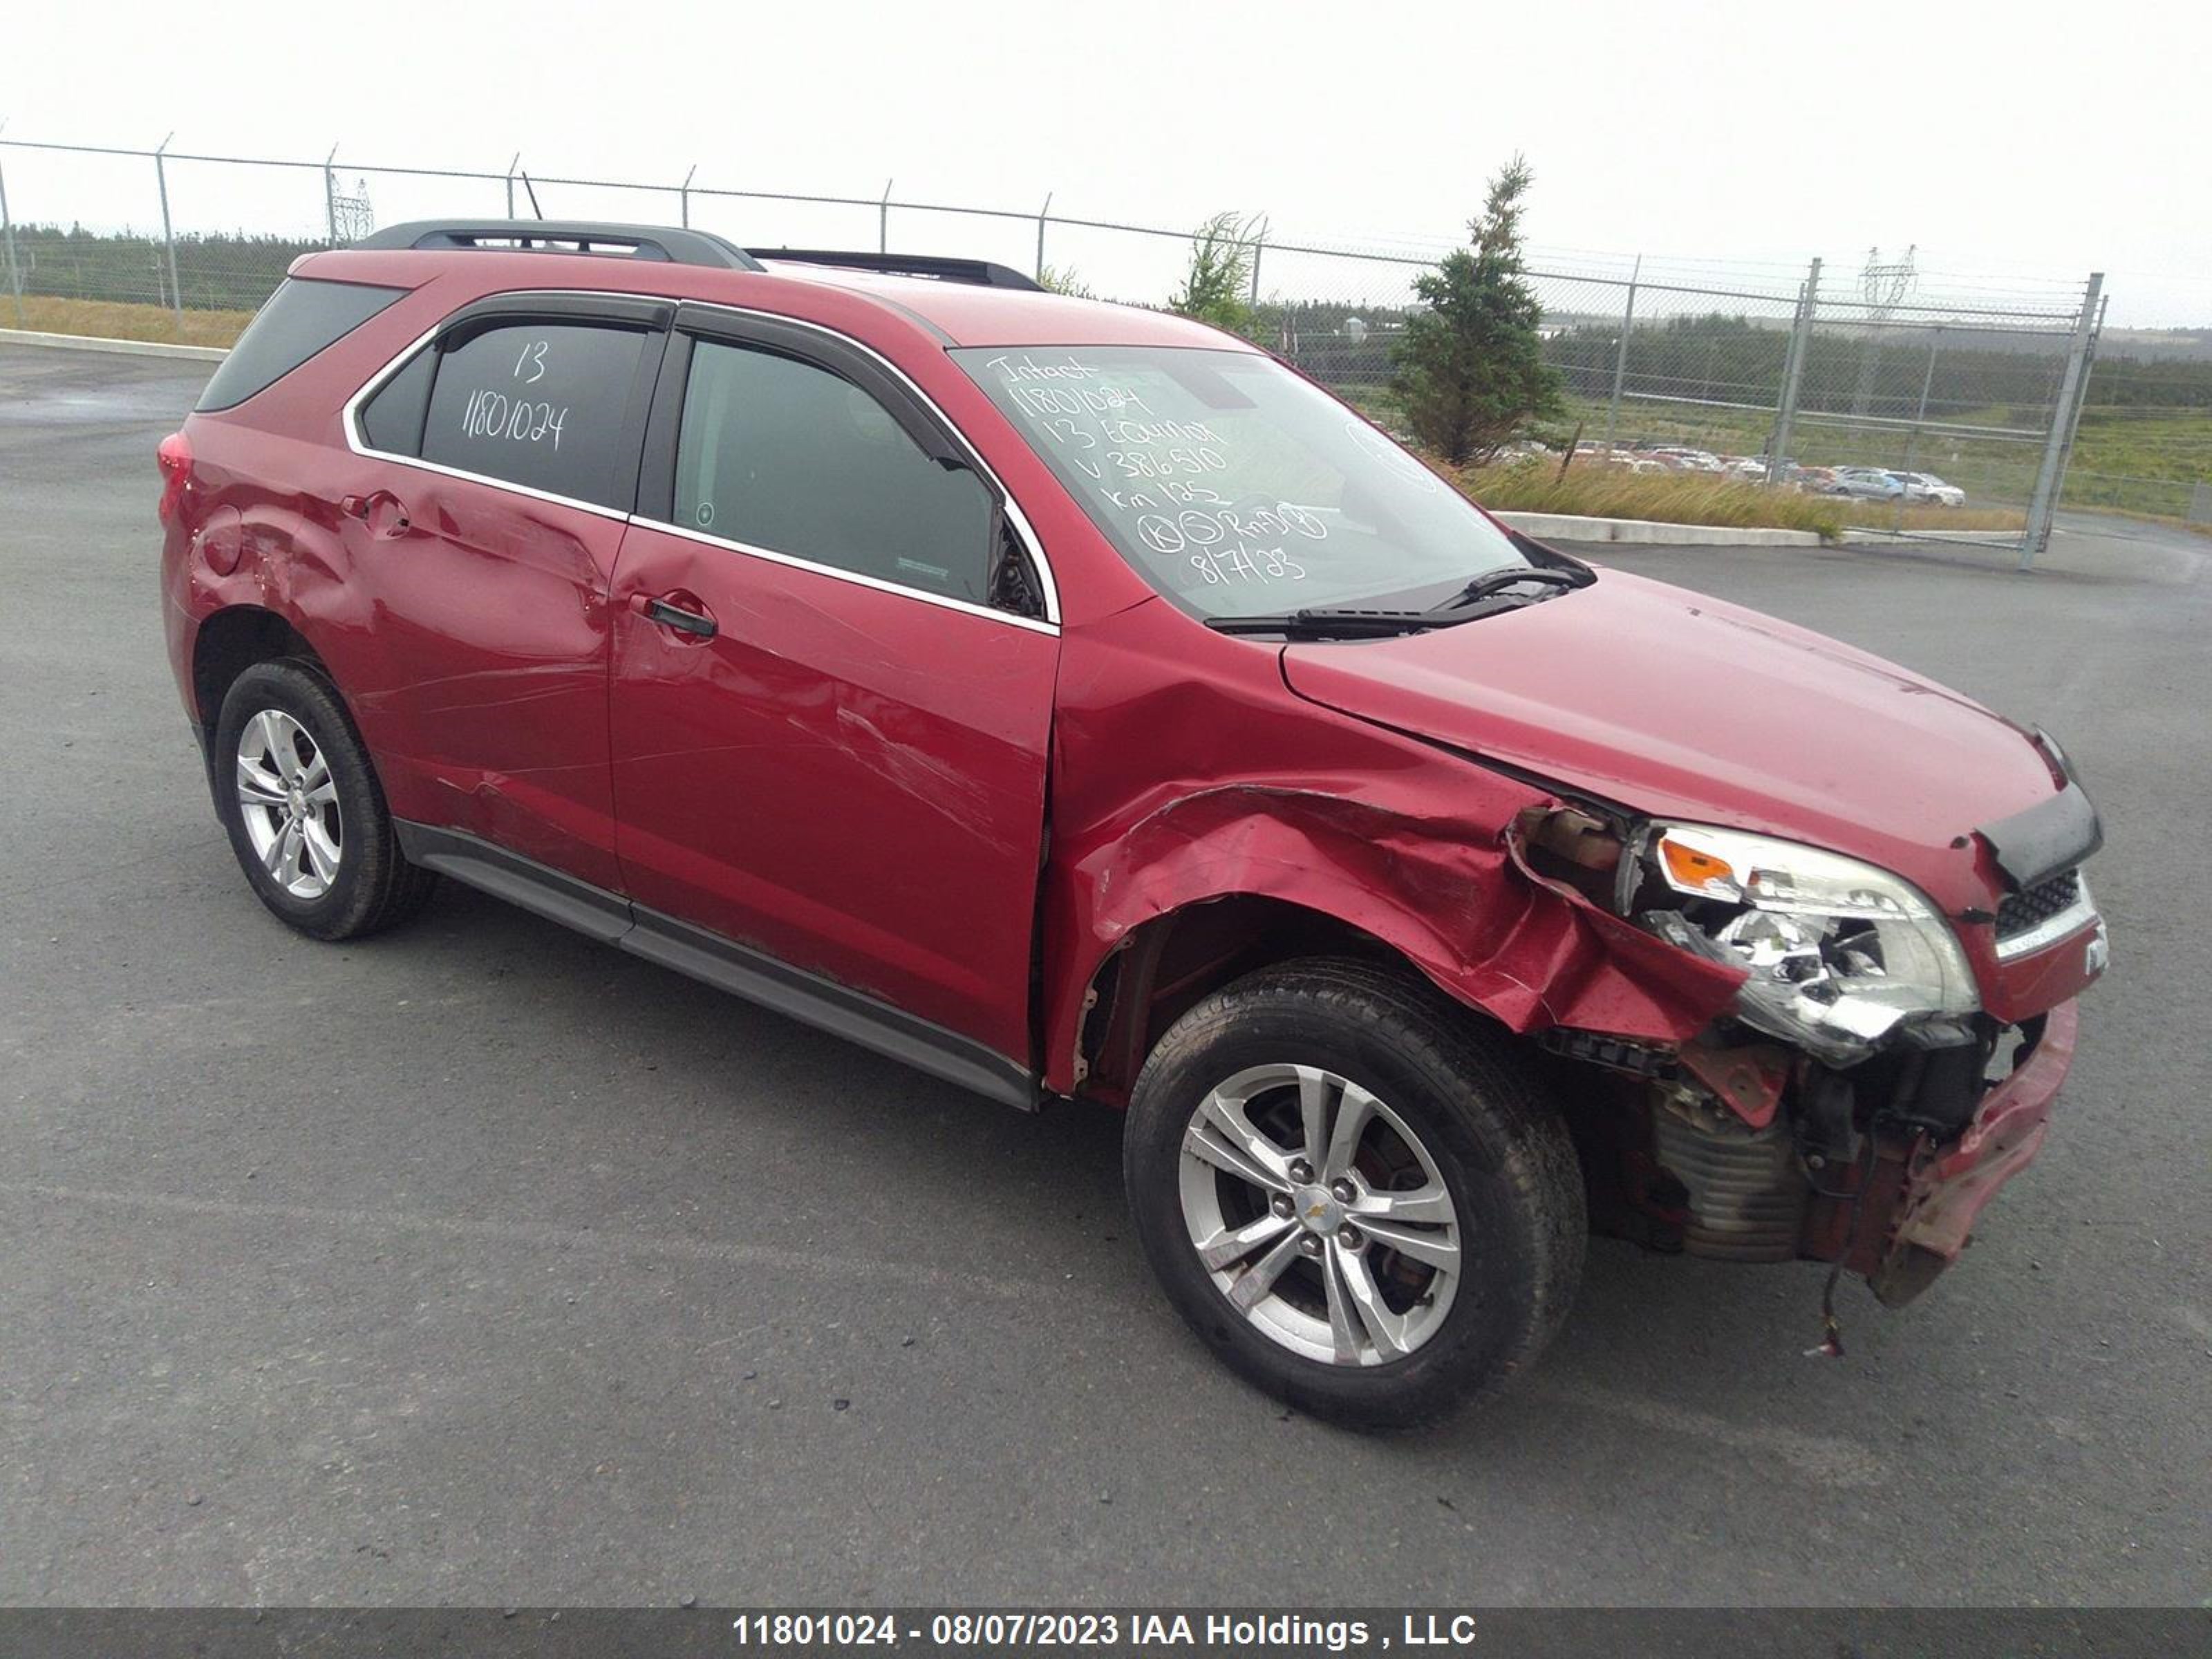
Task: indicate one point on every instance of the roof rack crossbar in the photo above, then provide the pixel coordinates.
(664, 244)
(981, 273)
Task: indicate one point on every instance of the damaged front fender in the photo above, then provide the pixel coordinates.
(1472, 917)
(1405, 846)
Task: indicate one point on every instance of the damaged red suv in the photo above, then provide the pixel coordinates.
(1075, 703)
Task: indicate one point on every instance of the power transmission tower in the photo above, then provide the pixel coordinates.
(1883, 288)
(351, 216)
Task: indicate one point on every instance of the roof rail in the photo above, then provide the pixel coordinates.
(981, 273)
(664, 243)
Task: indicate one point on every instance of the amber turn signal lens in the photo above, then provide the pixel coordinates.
(1691, 869)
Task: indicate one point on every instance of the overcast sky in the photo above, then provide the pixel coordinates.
(2015, 142)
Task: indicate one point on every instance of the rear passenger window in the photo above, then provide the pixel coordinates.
(782, 455)
(302, 317)
(540, 404)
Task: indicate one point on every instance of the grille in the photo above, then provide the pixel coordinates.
(2029, 908)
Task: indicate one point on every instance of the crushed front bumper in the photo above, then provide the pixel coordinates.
(1942, 1189)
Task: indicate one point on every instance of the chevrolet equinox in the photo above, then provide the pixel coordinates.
(1075, 703)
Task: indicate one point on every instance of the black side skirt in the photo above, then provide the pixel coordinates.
(721, 963)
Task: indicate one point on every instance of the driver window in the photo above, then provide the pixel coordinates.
(782, 455)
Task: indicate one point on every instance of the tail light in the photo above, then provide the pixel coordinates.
(174, 456)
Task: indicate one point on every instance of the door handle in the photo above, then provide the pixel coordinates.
(697, 622)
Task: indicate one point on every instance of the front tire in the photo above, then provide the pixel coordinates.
(307, 818)
(1354, 1192)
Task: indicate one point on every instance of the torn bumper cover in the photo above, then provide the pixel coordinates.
(1941, 1189)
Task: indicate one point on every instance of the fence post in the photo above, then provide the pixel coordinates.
(2088, 368)
(1259, 246)
(1620, 360)
(2044, 506)
(1793, 373)
(14, 270)
(683, 196)
(511, 167)
(1042, 211)
(331, 194)
(169, 236)
(1928, 380)
(884, 219)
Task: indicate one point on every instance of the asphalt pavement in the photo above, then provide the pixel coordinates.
(479, 1263)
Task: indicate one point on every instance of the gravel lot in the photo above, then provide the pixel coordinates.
(482, 1264)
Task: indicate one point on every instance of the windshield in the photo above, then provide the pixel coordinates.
(1234, 486)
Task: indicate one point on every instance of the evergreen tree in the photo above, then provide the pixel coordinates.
(1471, 369)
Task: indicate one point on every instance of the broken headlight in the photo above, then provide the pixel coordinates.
(1838, 952)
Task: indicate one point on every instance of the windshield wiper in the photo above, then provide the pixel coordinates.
(1348, 621)
(1336, 622)
(1492, 583)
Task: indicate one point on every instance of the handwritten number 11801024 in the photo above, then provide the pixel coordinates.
(490, 413)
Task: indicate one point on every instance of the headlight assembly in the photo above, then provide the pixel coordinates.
(1840, 953)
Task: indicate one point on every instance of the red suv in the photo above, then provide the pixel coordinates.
(1074, 701)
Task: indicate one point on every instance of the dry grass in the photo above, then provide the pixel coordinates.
(113, 320)
(1658, 498)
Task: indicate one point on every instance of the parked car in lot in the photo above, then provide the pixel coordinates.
(1626, 460)
(1928, 488)
(1072, 701)
(1865, 484)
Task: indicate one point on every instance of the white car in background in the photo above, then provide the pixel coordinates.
(1927, 487)
(1869, 483)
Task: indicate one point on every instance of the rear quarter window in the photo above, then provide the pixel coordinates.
(302, 317)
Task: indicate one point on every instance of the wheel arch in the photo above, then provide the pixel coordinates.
(232, 640)
(1165, 965)
(1307, 872)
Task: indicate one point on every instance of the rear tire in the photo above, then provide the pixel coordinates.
(306, 816)
(1388, 1158)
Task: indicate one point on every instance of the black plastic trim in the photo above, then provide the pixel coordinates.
(721, 963)
(657, 244)
(830, 1006)
(825, 350)
(621, 310)
(976, 273)
(2054, 835)
(522, 882)
(656, 473)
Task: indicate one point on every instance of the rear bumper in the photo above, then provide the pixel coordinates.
(1945, 1188)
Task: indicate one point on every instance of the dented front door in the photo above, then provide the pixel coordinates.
(845, 777)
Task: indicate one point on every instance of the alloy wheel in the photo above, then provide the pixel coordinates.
(289, 803)
(1319, 1215)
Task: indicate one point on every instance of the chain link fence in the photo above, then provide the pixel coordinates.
(1785, 375)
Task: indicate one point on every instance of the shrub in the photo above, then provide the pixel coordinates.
(1064, 279)
(1217, 282)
